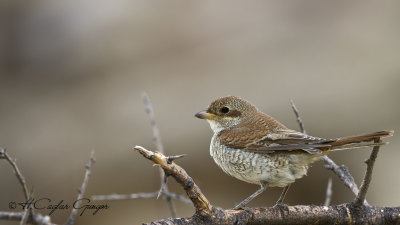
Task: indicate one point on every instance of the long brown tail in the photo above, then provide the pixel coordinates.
(355, 141)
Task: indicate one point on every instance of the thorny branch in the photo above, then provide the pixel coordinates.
(208, 214)
(157, 139)
(163, 191)
(202, 205)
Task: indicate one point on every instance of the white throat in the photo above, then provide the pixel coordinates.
(216, 127)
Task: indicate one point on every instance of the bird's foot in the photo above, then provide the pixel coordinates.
(247, 209)
(282, 207)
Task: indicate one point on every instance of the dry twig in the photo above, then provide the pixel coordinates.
(140, 195)
(328, 193)
(157, 139)
(18, 174)
(298, 118)
(163, 191)
(36, 218)
(13, 162)
(28, 215)
(360, 199)
(341, 171)
(17, 216)
(81, 190)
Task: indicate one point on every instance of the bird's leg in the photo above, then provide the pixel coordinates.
(248, 199)
(279, 204)
(284, 192)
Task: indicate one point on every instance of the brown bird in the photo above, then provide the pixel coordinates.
(254, 147)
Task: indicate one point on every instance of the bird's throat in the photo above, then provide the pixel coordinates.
(215, 126)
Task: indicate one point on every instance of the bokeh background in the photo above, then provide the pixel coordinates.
(72, 72)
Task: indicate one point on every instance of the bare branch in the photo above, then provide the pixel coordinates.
(17, 216)
(156, 132)
(18, 174)
(163, 185)
(341, 171)
(299, 121)
(114, 197)
(81, 190)
(29, 211)
(140, 195)
(328, 193)
(202, 205)
(25, 217)
(360, 199)
(160, 147)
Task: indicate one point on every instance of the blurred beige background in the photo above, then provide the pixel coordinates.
(72, 72)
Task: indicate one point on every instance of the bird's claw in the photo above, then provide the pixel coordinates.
(282, 207)
(247, 209)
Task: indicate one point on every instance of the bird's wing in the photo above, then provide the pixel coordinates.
(264, 141)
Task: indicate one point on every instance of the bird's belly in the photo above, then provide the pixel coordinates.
(278, 170)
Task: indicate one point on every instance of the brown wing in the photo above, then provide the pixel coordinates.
(289, 140)
(264, 141)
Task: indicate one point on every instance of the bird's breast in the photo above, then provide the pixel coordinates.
(277, 170)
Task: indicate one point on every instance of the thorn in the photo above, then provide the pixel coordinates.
(172, 158)
(159, 193)
(164, 182)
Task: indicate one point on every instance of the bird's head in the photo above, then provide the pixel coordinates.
(227, 112)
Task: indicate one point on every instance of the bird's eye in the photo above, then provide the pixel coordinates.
(224, 110)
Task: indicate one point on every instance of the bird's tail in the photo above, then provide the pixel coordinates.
(359, 141)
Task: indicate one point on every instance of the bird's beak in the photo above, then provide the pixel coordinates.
(205, 115)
